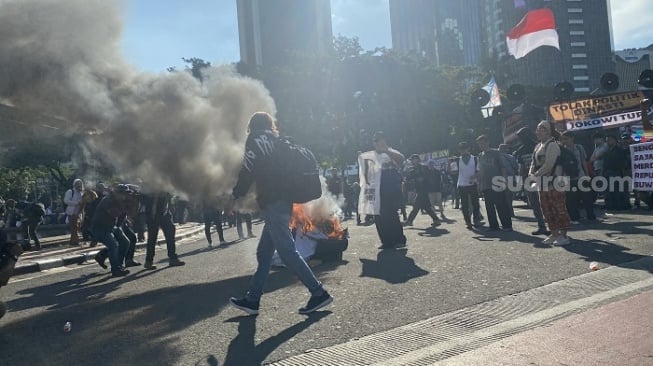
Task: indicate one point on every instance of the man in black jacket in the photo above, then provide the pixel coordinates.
(419, 174)
(33, 214)
(157, 211)
(106, 228)
(614, 164)
(259, 166)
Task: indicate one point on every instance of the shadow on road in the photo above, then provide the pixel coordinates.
(103, 327)
(392, 266)
(243, 349)
(513, 236)
(604, 252)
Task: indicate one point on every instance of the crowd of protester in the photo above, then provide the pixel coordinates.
(119, 215)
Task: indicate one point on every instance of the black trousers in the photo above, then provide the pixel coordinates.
(140, 226)
(422, 202)
(577, 199)
(495, 203)
(388, 226)
(213, 218)
(131, 235)
(165, 224)
(30, 231)
(469, 198)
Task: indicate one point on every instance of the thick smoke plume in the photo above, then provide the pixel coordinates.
(63, 58)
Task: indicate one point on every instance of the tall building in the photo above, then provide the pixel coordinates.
(585, 38)
(271, 32)
(630, 64)
(464, 32)
(447, 32)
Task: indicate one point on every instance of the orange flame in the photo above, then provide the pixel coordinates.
(300, 220)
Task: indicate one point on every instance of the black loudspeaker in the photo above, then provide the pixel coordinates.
(562, 91)
(480, 98)
(609, 81)
(516, 93)
(646, 78)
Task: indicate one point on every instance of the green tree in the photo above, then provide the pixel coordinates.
(194, 65)
(332, 102)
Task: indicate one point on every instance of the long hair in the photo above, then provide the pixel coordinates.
(262, 121)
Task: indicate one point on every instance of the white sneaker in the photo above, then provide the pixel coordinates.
(549, 239)
(565, 240)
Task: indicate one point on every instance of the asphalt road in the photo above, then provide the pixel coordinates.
(181, 316)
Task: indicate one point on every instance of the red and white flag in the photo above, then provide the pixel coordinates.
(536, 29)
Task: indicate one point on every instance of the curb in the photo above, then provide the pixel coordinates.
(50, 263)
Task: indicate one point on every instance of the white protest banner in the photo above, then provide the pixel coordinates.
(614, 120)
(642, 166)
(369, 171)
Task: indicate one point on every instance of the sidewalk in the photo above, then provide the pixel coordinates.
(597, 318)
(56, 252)
(620, 333)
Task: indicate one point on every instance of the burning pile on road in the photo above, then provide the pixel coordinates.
(328, 225)
(318, 235)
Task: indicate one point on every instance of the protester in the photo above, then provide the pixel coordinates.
(524, 156)
(387, 165)
(159, 216)
(596, 159)
(9, 253)
(452, 171)
(11, 214)
(468, 186)
(553, 200)
(212, 215)
(130, 206)
(355, 191)
(435, 188)
(106, 228)
(128, 229)
(511, 168)
(419, 174)
(578, 195)
(258, 167)
(491, 166)
(33, 215)
(335, 183)
(73, 201)
(247, 219)
(90, 201)
(615, 160)
(352, 190)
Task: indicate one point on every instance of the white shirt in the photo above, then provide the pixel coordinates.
(73, 201)
(467, 172)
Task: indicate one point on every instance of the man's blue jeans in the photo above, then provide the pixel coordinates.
(277, 235)
(117, 244)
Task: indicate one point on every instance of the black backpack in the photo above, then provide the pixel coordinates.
(299, 172)
(38, 210)
(567, 160)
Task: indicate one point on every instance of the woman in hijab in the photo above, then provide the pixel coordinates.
(544, 171)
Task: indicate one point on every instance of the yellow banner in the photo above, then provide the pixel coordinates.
(590, 108)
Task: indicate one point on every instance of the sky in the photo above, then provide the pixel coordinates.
(158, 33)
